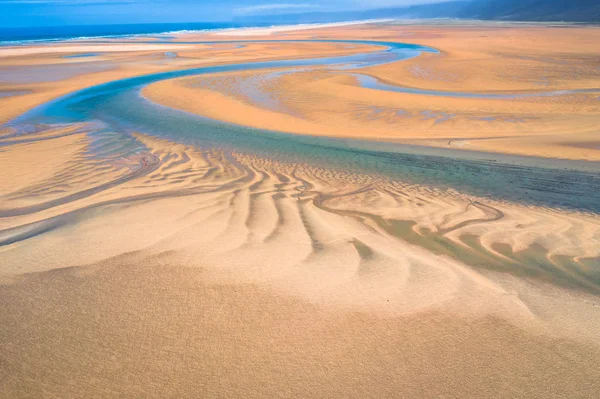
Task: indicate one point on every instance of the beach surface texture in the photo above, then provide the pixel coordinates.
(346, 211)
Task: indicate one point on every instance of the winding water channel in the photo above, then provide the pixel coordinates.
(118, 107)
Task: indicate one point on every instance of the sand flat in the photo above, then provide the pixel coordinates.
(134, 263)
(542, 119)
(21, 51)
(118, 61)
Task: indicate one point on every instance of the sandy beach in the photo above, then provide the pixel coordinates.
(42, 73)
(542, 113)
(143, 255)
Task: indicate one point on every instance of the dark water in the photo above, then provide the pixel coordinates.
(50, 33)
(119, 107)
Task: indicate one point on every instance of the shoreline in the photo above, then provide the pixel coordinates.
(439, 140)
(199, 56)
(415, 148)
(563, 120)
(254, 30)
(250, 30)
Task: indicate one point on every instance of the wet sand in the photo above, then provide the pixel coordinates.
(135, 265)
(199, 271)
(51, 75)
(538, 117)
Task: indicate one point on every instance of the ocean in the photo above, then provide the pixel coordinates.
(12, 36)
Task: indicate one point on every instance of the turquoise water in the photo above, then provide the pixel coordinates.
(81, 55)
(118, 107)
(12, 36)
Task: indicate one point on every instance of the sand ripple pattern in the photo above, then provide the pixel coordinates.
(325, 235)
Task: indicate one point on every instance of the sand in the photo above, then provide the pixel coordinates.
(74, 49)
(478, 59)
(261, 271)
(51, 75)
(139, 326)
(182, 271)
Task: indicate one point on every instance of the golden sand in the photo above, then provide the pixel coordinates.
(117, 61)
(185, 271)
(472, 59)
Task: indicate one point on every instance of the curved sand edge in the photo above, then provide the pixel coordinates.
(472, 59)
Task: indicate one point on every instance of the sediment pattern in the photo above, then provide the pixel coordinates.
(149, 253)
(240, 210)
(174, 238)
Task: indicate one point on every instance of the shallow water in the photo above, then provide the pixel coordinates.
(119, 106)
(49, 73)
(81, 55)
(370, 82)
(11, 93)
